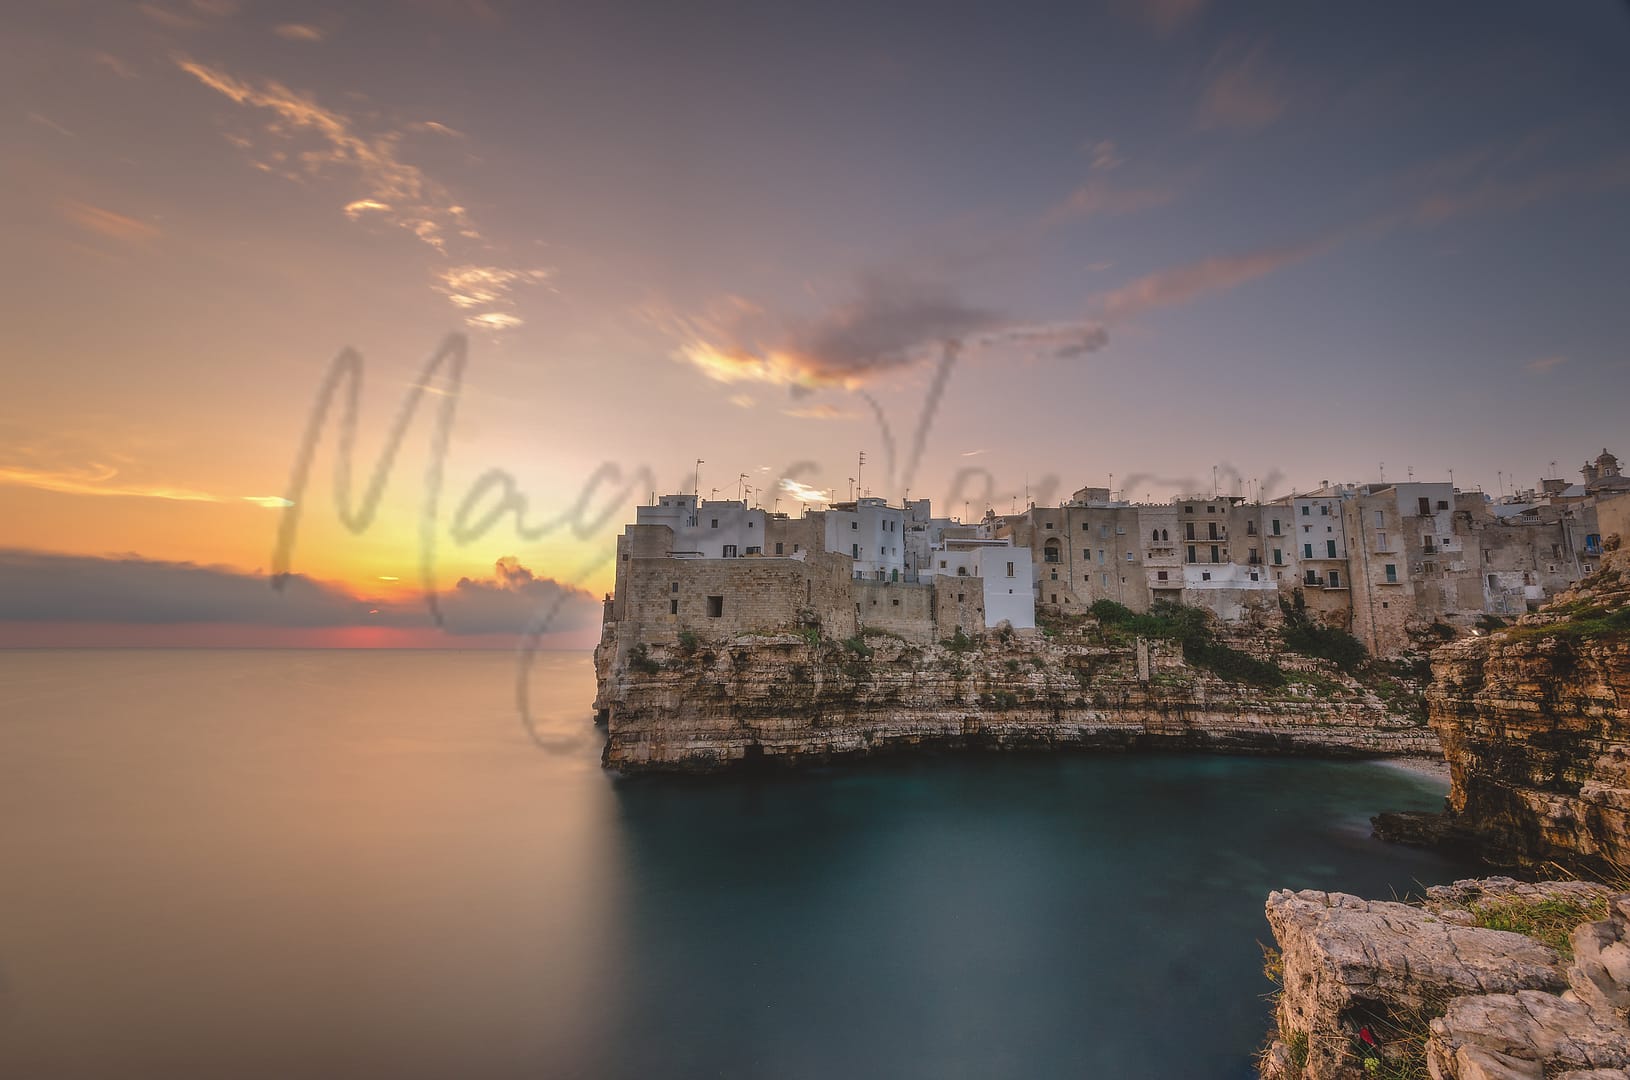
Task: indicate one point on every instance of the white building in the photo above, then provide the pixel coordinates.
(873, 534)
(1004, 573)
(709, 529)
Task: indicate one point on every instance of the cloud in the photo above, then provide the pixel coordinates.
(473, 286)
(821, 411)
(1545, 364)
(742, 401)
(1063, 341)
(1509, 196)
(106, 222)
(1105, 156)
(45, 121)
(299, 32)
(493, 320)
(1241, 92)
(803, 492)
(113, 64)
(1177, 285)
(1162, 16)
(889, 324)
(1099, 196)
(43, 587)
(396, 190)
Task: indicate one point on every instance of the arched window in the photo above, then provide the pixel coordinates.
(1156, 536)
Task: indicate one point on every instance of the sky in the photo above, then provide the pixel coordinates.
(564, 251)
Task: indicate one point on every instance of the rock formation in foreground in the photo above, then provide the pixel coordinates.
(1535, 724)
(795, 697)
(1449, 988)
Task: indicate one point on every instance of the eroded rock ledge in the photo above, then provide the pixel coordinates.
(1447, 989)
(789, 699)
(1535, 724)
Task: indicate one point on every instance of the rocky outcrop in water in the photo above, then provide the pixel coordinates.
(1447, 988)
(794, 698)
(1535, 724)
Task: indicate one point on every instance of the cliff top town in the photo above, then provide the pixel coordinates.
(1401, 566)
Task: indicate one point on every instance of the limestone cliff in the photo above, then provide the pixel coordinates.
(795, 698)
(1535, 724)
(1485, 980)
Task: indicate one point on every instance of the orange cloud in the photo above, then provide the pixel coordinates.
(106, 222)
(1545, 363)
(396, 189)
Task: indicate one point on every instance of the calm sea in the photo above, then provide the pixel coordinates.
(356, 864)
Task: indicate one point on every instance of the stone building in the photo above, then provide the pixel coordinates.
(719, 568)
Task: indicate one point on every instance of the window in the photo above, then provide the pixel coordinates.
(1009, 569)
(1086, 553)
(1311, 577)
(1129, 556)
(715, 607)
(1211, 530)
(1380, 519)
(1188, 509)
(1049, 525)
(854, 550)
(961, 571)
(1380, 541)
(1161, 576)
(730, 551)
(852, 524)
(1100, 554)
(1216, 553)
(1392, 573)
(1188, 530)
(1054, 574)
(1330, 549)
(795, 549)
(715, 524)
(1307, 551)
(778, 547)
(1335, 579)
(673, 586)
(1205, 575)
(1306, 510)
(1211, 509)
(1191, 554)
(1278, 557)
(673, 607)
(1443, 504)
(1430, 568)
(1106, 580)
(942, 564)
(1324, 509)
(1250, 528)
(1276, 526)
(1164, 535)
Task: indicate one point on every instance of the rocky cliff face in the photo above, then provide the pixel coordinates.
(694, 706)
(1535, 724)
(1449, 988)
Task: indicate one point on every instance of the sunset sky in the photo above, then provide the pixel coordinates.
(1292, 241)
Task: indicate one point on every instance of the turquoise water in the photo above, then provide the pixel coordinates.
(274, 864)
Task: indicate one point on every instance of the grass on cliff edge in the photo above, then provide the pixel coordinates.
(1550, 921)
(1583, 623)
(1191, 626)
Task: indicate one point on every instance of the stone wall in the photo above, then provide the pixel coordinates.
(904, 609)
